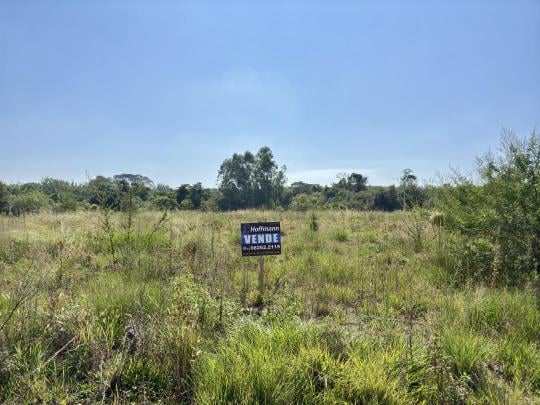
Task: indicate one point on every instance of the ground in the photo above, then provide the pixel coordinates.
(361, 307)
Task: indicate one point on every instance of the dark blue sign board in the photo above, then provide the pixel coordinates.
(261, 238)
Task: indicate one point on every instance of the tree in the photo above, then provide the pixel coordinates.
(54, 187)
(105, 192)
(357, 182)
(210, 202)
(411, 194)
(163, 189)
(303, 202)
(354, 182)
(4, 198)
(67, 201)
(250, 180)
(182, 193)
(268, 179)
(186, 205)
(30, 202)
(387, 200)
(235, 179)
(196, 194)
(134, 178)
(305, 188)
(164, 202)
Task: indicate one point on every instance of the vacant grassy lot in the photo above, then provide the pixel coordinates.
(359, 308)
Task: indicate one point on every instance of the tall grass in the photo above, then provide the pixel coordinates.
(360, 308)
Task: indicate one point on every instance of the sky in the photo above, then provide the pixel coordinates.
(171, 89)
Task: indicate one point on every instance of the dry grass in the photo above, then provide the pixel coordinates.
(361, 308)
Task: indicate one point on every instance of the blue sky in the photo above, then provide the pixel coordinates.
(171, 89)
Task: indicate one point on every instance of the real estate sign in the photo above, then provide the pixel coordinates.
(261, 238)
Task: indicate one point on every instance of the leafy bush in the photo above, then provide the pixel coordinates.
(30, 202)
(500, 215)
(163, 202)
(303, 202)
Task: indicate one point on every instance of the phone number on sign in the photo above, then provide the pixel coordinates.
(261, 247)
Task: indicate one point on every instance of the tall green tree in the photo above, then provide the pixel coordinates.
(249, 180)
(354, 182)
(182, 193)
(104, 192)
(55, 187)
(134, 178)
(235, 179)
(299, 187)
(196, 194)
(387, 200)
(269, 179)
(411, 193)
(4, 198)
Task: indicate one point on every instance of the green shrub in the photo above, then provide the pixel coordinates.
(512, 312)
(500, 216)
(520, 361)
(341, 235)
(303, 202)
(30, 203)
(313, 221)
(466, 352)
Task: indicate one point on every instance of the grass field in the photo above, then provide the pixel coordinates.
(361, 307)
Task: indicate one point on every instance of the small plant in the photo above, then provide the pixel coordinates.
(313, 221)
(437, 219)
(415, 225)
(342, 235)
(466, 352)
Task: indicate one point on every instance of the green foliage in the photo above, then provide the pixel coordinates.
(164, 202)
(30, 203)
(411, 194)
(186, 205)
(247, 181)
(500, 217)
(285, 363)
(67, 201)
(303, 202)
(161, 308)
(341, 235)
(354, 182)
(387, 200)
(467, 352)
(191, 197)
(182, 193)
(133, 179)
(104, 192)
(196, 195)
(313, 221)
(4, 198)
(197, 308)
(300, 187)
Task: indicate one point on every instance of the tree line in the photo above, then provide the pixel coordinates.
(245, 181)
(492, 219)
